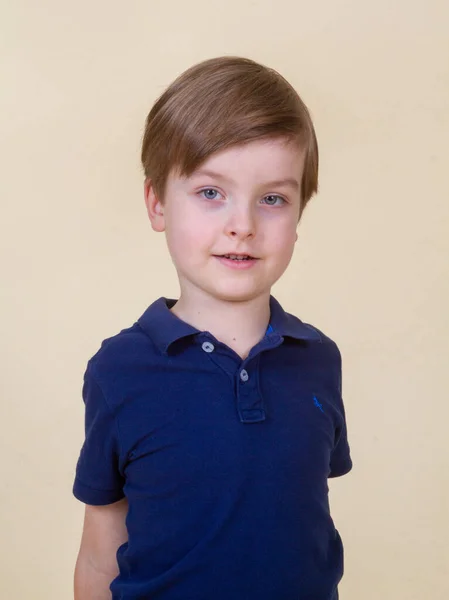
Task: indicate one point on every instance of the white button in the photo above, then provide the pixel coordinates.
(208, 347)
(244, 375)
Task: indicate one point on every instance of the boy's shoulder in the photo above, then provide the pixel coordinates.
(130, 346)
(146, 339)
(318, 334)
(324, 342)
(291, 324)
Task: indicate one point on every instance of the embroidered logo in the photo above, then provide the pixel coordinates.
(317, 404)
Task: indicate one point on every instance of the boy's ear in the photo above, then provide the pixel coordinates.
(155, 208)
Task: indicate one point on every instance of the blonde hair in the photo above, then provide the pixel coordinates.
(223, 102)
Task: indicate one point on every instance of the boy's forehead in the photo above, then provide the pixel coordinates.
(267, 159)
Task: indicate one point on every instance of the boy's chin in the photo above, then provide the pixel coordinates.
(238, 295)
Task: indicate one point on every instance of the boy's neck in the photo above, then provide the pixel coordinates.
(239, 325)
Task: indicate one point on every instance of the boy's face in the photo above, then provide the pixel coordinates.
(242, 200)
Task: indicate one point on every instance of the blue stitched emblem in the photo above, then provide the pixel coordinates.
(317, 404)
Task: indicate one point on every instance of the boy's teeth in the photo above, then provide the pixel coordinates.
(235, 257)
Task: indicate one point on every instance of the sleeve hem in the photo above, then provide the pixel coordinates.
(341, 469)
(89, 495)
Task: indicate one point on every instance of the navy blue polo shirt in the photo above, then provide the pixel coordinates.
(224, 462)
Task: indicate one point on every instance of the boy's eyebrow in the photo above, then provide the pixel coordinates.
(289, 181)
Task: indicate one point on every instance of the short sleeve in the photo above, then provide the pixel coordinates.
(97, 479)
(340, 462)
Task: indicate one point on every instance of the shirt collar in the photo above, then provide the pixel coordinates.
(288, 325)
(165, 328)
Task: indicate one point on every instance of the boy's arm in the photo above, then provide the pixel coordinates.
(104, 531)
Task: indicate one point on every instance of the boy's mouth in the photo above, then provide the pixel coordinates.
(237, 261)
(238, 256)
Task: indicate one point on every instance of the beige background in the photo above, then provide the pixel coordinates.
(371, 266)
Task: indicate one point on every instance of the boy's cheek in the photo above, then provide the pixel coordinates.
(185, 240)
(188, 227)
(284, 242)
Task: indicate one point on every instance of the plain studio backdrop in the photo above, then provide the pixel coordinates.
(80, 261)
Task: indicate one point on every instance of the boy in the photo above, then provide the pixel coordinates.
(214, 421)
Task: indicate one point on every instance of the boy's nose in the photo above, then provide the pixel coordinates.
(241, 224)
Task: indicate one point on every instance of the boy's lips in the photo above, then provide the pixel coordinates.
(246, 262)
(236, 254)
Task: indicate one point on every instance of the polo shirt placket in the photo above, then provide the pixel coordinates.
(244, 373)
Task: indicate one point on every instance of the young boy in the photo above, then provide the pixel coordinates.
(215, 420)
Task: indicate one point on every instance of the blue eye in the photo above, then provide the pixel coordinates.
(272, 198)
(209, 193)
